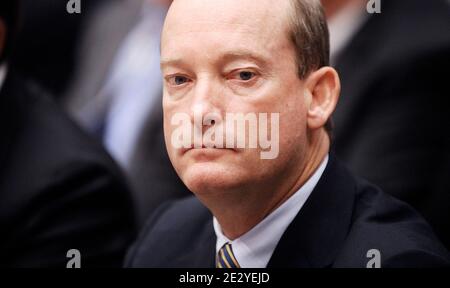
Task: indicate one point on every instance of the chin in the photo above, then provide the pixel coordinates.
(204, 178)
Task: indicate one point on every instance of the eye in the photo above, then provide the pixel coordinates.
(246, 75)
(178, 80)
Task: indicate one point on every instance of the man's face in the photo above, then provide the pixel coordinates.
(232, 56)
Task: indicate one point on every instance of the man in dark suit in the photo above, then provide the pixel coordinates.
(392, 120)
(287, 204)
(58, 189)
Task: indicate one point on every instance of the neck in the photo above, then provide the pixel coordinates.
(239, 211)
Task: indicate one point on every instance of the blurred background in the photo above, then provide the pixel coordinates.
(391, 126)
(102, 66)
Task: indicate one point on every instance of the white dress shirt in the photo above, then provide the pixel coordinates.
(255, 248)
(343, 26)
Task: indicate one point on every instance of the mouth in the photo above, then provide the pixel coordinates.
(205, 148)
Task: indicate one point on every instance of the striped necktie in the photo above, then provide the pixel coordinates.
(225, 258)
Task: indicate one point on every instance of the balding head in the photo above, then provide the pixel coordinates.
(303, 21)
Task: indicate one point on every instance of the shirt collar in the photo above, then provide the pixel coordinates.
(255, 248)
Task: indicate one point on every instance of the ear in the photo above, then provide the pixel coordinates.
(323, 88)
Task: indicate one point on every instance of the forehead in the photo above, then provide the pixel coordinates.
(217, 24)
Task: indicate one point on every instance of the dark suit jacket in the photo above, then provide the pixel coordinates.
(342, 220)
(58, 189)
(391, 124)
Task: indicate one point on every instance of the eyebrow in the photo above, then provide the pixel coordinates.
(226, 57)
(245, 54)
(171, 62)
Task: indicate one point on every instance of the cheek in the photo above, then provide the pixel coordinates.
(168, 130)
(293, 122)
(293, 125)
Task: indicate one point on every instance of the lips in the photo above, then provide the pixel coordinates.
(204, 146)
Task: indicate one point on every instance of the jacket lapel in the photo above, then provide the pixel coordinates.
(315, 236)
(203, 254)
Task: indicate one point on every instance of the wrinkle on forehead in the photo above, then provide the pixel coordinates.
(199, 33)
(245, 16)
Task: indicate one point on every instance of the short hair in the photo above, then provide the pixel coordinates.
(310, 36)
(9, 14)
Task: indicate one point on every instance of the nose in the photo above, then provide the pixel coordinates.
(205, 105)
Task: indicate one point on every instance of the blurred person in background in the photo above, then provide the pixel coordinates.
(59, 190)
(47, 43)
(117, 92)
(391, 125)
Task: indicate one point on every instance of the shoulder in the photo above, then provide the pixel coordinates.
(181, 215)
(55, 172)
(170, 230)
(51, 158)
(393, 230)
(48, 146)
